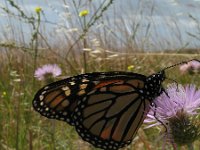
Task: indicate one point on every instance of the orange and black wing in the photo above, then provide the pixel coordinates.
(111, 113)
(106, 108)
(59, 99)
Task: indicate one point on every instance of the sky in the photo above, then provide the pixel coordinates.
(165, 24)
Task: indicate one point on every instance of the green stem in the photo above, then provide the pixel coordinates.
(30, 140)
(190, 146)
(84, 57)
(34, 44)
(84, 45)
(53, 134)
(17, 125)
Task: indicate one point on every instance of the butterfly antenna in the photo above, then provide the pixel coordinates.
(183, 62)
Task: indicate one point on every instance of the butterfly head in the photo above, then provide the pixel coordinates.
(154, 84)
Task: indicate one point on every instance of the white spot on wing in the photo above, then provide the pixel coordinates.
(41, 97)
(46, 87)
(83, 86)
(65, 113)
(85, 80)
(44, 92)
(65, 88)
(72, 83)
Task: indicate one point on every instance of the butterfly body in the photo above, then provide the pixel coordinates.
(154, 85)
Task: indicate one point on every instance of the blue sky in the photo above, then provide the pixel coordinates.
(171, 22)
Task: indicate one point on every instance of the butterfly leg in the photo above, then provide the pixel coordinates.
(155, 106)
(163, 90)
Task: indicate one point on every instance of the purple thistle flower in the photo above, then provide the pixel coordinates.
(47, 71)
(177, 112)
(191, 67)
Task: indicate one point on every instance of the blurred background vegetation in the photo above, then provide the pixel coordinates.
(99, 39)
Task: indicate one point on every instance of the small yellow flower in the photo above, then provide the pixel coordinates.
(38, 9)
(83, 13)
(131, 67)
(4, 94)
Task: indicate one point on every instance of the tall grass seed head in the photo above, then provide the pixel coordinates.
(178, 112)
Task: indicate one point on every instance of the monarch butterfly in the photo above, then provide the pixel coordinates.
(106, 108)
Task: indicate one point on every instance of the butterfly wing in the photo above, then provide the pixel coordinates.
(106, 108)
(111, 113)
(59, 99)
